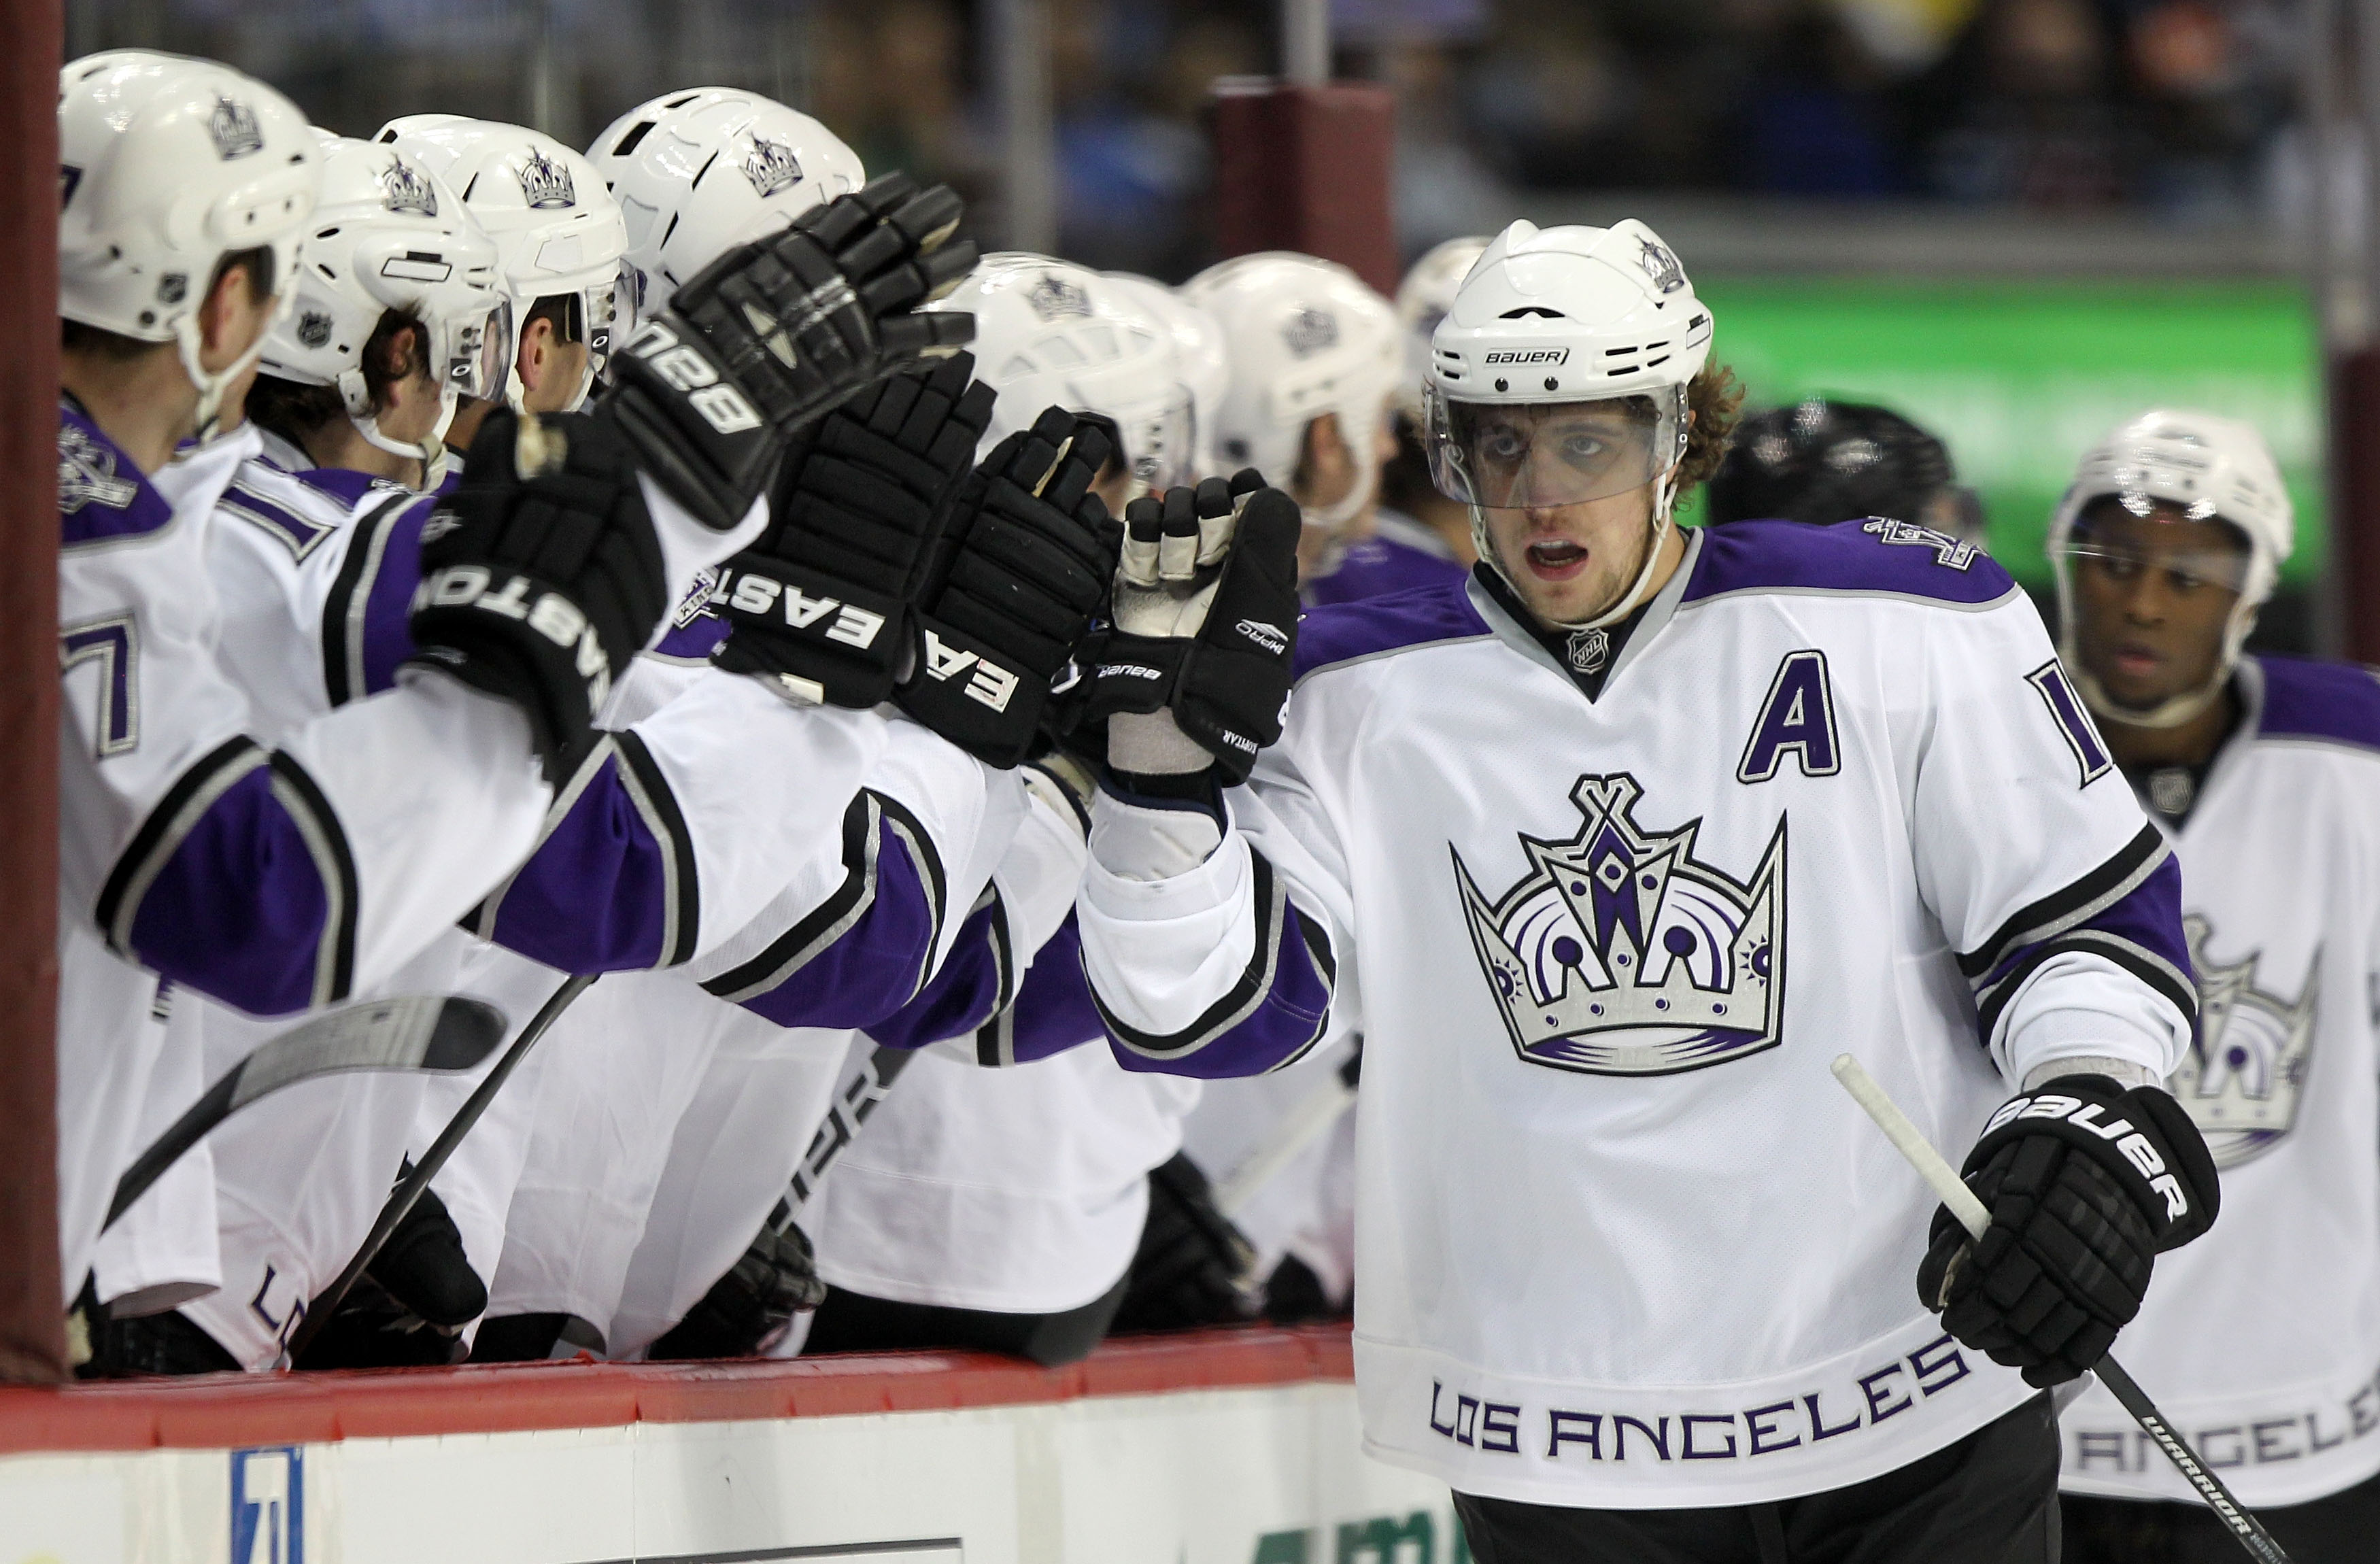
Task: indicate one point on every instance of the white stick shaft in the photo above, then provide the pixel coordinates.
(1948, 1186)
(1303, 1124)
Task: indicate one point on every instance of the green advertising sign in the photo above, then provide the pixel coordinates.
(2021, 378)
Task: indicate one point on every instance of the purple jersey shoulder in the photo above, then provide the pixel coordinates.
(2306, 699)
(1887, 558)
(1378, 566)
(103, 494)
(1343, 632)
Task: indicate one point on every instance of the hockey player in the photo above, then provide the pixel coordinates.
(559, 239)
(2263, 1342)
(1423, 298)
(1606, 853)
(1821, 462)
(1314, 357)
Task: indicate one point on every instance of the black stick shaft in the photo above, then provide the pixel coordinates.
(318, 1313)
(2246, 1528)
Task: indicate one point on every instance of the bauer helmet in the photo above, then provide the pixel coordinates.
(1550, 319)
(1049, 333)
(558, 232)
(167, 166)
(389, 234)
(701, 170)
(1198, 339)
(1422, 299)
(1305, 337)
(2214, 469)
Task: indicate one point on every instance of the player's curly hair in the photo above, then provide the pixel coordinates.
(1714, 397)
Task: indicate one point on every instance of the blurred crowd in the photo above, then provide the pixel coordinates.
(2176, 108)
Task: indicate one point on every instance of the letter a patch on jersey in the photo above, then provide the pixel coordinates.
(1798, 719)
(1620, 954)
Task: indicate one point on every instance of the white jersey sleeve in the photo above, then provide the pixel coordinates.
(273, 864)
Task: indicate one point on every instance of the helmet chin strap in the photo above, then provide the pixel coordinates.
(1665, 498)
(213, 386)
(430, 452)
(2174, 710)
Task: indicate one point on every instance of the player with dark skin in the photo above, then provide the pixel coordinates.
(2151, 600)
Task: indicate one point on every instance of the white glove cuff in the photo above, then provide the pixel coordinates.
(2123, 1071)
(1151, 744)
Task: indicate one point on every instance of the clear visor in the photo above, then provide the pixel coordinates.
(481, 351)
(2122, 557)
(1511, 456)
(1161, 444)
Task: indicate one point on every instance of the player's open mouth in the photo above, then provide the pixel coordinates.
(1555, 559)
(2137, 661)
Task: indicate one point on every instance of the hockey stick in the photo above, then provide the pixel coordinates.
(854, 1101)
(1953, 1192)
(1309, 1120)
(408, 1191)
(429, 1031)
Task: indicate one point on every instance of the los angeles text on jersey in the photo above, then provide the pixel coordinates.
(2276, 1434)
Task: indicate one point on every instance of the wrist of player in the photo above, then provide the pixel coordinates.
(2086, 1182)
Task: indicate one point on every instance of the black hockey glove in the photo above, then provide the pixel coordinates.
(774, 333)
(2087, 1183)
(1193, 1266)
(746, 1310)
(1019, 571)
(819, 605)
(542, 574)
(1206, 626)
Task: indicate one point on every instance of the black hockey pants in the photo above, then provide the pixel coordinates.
(1990, 1499)
(2343, 1528)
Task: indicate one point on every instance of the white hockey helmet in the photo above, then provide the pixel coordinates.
(1592, 334)
(703, 169)
(1305, 337)
(558, 232)
(166, 165)
(2214, 469)
(1198, 340)
(1422, 299)
(389, 234)
(1049, 333)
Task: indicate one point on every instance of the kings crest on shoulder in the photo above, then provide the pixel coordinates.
(1620, 954)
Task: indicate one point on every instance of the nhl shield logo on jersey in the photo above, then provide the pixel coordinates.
(546, 184)
(2241, 1078)
(1622, 953)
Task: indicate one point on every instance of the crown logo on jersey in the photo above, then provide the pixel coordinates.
(772, 167)
(1661, 266)
(1948, 549)
(86, 474)
(1310, 331)
(406, 188)
(2240, 1079)
(1622, 953)
(545, 183)
(234, 129)
(1053, 296)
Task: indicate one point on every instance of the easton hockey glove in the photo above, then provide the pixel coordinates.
(818, 606)
(1206, 626)
(774, 333)
(542, 574)
(2087, 1183)
(1019, 571)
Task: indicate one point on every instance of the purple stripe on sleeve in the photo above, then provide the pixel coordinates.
(1287, 1020)
(873, 968)
(2141, 932)
(595, 895)
(239, 909)
(965, 993)
(388, 600)
(1054, 1011)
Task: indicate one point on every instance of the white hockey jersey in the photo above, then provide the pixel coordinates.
(2261, 1342)
(1622, 1240)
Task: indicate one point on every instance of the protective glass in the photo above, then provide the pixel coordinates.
(2093, 553)
(1160, 441)
(481, 353)
(1506, 455)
